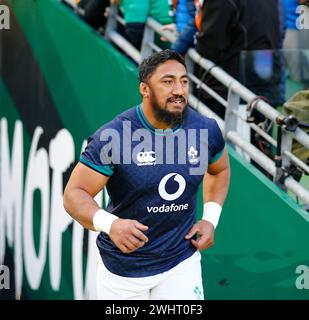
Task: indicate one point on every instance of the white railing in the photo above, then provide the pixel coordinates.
(234, 115)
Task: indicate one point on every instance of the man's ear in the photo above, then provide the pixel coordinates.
(143, 89)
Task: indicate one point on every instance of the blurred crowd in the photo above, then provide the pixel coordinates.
(260, 43)
(243, 37)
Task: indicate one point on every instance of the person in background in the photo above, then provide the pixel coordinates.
(136, 13)
(230, 28)
(185, 27)
(94, 12)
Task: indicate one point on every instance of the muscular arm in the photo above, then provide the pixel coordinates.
(215, 187)
(83, 185)
(80, 190)
(216, 180)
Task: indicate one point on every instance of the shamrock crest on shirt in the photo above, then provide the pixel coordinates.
(192, 154)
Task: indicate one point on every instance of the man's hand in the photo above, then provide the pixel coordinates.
(205, 231)
(128, 234)
(168, 27)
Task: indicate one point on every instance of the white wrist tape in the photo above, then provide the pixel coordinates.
(211, 213)
(102, 220)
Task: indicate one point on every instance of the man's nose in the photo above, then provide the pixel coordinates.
(178, 88)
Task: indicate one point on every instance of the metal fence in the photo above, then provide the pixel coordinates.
(235, 116)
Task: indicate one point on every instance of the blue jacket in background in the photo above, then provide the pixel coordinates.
(182, 15)
(291, 15)
(185, 39)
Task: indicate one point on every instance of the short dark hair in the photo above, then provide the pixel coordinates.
(151, 63)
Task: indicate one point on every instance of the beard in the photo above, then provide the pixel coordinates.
(161, 114)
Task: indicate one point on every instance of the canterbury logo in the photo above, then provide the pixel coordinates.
(146, 158)
(181, 187)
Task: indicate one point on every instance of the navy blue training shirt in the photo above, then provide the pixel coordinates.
(154, 179)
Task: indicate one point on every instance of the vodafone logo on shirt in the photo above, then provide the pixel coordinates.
(170, 208)
(181, 186)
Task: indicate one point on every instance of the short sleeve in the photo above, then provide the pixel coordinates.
(216, 142)
(95, 158)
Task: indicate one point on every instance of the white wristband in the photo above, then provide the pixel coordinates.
(211, 213)
(102, 220)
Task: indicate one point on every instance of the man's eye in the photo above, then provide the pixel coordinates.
(185, 82)
(168, 81)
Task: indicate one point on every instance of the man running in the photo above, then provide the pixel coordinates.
(152, 159)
